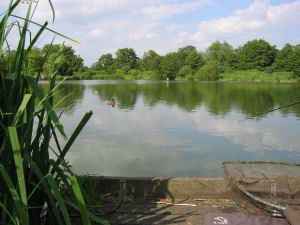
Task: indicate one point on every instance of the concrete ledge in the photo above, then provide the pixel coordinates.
(170, 188)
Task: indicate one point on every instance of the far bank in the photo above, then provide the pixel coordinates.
(236, 76)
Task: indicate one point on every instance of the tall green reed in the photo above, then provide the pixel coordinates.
(32, 184)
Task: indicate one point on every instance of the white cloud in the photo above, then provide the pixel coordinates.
(168, 10)
(257, 21)
(97, 33)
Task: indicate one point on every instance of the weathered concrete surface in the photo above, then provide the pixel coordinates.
(170, 188)
(181, 212)
(169, 200)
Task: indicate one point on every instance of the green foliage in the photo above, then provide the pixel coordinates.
(29, 178)
(257, 76)
(170, 65)
(296, 61)
(126, 59)
(151, 61)
(195, 60)
(256, 54)
(185, 71)
(183, 53)
(105, 62)
(62, 59)
(210, 71)
(34, 61)
(221, 52)
(284, 59)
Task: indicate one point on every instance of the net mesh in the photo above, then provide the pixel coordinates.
(268, 186)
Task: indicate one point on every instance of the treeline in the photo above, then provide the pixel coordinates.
(185, 63)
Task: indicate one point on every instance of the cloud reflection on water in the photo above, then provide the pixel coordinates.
(165, 140)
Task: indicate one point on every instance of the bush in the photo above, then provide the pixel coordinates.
(185, 71)
(134, 72)
(269, 69)
(209, 72)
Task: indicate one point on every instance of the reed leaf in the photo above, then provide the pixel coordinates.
(93, 217)
(59, 199)
(5, 210)
(37, 186)
(36, 37)
(40, 95)
(22, 108)
(80, 200)
(46, 189)
(52, 31)
(21, 210)
(53, 11)
(14, 140)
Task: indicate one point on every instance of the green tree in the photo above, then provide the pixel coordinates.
(221, 52)
(256, 54)
(185, 71)
(183, 53)
(210, 71)
(296, 61)
(170, 65)
(151, 61)
(195, 60)
(105, 62)
(284, 59)
(62, 59)
(126, 59)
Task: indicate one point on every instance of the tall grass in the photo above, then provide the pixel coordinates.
(31, 183)
(258, 76)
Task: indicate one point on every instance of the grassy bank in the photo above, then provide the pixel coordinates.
(258, 76)
(239, 76)
(118, 75)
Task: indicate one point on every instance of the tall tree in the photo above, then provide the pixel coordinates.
(151, 61)
(183, 53)
(296, 61)
(62, 59)
(256, 54)
(126, 59)
(284, 58)
(221, 52)
(170, 65)
(195, 60)
(105, 62)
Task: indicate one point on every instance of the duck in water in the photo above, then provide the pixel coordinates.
(111, 102)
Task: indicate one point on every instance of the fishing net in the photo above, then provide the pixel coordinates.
(268, 186)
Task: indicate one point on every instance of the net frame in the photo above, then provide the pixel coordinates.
(266, 199)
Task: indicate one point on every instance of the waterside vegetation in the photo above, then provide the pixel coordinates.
(35, 188)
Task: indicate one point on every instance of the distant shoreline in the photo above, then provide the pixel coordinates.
(250, 76)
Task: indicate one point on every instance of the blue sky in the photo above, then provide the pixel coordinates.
(104, 26)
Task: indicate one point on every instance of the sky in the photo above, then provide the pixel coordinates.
(104, 26)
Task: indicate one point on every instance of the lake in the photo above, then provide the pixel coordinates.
(178, 129)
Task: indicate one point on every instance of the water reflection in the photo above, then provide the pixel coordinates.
(219, 98)
(183, 129)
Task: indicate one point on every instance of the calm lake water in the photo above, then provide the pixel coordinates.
(184, 129)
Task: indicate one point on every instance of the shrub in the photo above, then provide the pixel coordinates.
(185, 71)
(209, 72)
